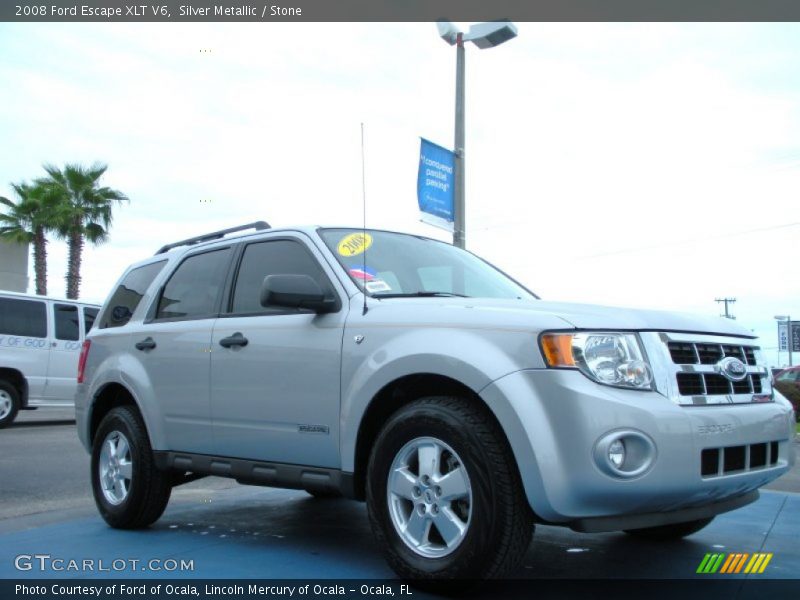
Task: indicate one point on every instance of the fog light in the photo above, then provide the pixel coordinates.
(616, 453)
(624, 453)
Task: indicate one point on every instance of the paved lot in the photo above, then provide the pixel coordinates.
(230, 530)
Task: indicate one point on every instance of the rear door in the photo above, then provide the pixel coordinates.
(277, 397)
(173, 347)
(65, 348)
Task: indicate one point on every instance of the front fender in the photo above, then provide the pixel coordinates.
(471, 357)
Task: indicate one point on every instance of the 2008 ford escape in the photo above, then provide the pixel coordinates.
(461, 407)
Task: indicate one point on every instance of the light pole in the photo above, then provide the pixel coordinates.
(483, 35)
(789, 340)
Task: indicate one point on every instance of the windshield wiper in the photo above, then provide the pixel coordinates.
(421, 294)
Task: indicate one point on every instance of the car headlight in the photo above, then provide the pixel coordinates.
(606, 357)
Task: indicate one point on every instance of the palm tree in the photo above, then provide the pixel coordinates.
(84, 212)
(26, 222)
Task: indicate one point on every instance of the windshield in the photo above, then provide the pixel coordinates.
(398, 264)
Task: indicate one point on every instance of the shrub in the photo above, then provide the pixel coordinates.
(792, 393)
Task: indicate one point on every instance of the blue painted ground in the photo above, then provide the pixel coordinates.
(247, 532)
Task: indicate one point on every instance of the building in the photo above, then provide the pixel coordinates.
(13, 267)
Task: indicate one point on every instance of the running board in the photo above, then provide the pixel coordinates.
(250, 472)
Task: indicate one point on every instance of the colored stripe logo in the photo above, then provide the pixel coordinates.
(736, 562)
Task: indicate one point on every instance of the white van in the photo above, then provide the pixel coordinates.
(40, 342)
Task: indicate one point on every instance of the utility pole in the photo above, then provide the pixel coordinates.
(460, 219)
(727, 301)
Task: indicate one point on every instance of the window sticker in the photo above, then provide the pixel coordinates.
(362, 274)
(377, 285)
(354, 244)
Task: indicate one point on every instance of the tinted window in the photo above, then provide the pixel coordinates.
(89, 315)
(128, 294)
(23, 317)
(194, 288)
(67, 327)
(279, 257)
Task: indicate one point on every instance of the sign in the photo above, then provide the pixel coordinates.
(795, 337)
(784, 336)
(435, 181)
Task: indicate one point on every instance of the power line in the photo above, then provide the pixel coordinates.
(727, 301)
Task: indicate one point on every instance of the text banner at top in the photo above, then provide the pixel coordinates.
(398, 10)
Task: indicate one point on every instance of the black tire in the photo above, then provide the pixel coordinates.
(500, 525)
(674, 531)
(324, 494)
(149, 488)
(8, 394)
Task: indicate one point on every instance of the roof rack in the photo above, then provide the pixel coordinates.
(216, 235)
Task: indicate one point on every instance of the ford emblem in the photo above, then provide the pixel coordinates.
(732, 368)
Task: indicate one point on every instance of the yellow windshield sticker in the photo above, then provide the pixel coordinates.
(354, 244)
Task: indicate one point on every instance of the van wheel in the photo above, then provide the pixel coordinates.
(444, 498)
(9, 403)
(130, 492)
(675, 531)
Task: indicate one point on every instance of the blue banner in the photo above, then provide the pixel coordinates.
(435, 185)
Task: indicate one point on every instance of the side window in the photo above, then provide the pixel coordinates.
(129, 293)
(89, 315)
(67, 327)
(25, 318)
(279, 257)
(195, 286)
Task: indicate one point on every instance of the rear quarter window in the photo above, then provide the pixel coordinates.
(126, 298)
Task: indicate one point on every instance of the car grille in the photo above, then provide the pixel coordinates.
(692, 366)
(702, 384)
(716, 462)
(687, 353)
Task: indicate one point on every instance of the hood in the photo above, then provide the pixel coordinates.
(581, 316)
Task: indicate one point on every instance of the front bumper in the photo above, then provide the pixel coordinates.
(555, 418)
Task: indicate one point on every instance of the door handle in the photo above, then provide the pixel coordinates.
(146, 344)
(237, 339)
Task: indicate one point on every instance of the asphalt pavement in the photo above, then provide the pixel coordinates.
(234, 531)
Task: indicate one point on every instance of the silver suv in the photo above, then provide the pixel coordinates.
(408, 373)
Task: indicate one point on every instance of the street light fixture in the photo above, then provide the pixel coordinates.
(788, 320)
(483, 35)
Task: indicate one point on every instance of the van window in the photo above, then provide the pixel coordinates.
(89, 315)
(194, 288)
(67, 327)
(126, 298)
(25, 318)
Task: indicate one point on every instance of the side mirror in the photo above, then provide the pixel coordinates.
(295, 291)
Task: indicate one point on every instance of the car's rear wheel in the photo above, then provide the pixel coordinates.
(130, 492)
(444, 498)
(9, 403)
(675, 531)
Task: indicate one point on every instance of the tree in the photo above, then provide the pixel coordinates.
(27, 221)
(84, 212)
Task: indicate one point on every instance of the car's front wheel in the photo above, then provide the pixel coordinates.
(130, 492)
(443, 495)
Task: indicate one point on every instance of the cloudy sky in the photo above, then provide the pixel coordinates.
(643, 165)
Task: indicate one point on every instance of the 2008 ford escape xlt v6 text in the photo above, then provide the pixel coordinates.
(458, 405)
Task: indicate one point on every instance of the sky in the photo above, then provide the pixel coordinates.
(640, 165)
